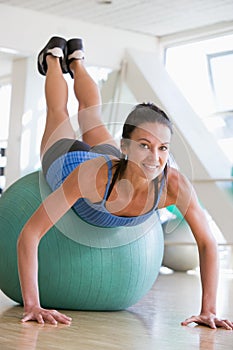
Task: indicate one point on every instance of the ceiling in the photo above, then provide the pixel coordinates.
(152, 17)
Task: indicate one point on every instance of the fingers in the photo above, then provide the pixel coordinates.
(61, 318)
(212, 322)
(224, 324)
(217, 323)
(47, 316)
(32, 317)
(190, 320)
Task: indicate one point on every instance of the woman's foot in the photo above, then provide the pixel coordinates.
(74, 52)
(56, 47)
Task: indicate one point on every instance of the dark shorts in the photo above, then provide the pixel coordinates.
(64, 146)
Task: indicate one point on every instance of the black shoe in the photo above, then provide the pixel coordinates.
(74, 52)
(55, 47)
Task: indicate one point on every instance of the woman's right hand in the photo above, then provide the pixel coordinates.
(42, 316)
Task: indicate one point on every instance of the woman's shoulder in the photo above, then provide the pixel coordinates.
(92, 176)
(173, 176)
(175, 179)
(176, 185)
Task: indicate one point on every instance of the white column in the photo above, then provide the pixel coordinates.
(26, 116)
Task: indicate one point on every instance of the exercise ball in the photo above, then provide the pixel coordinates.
(180, 250)
(81, 267)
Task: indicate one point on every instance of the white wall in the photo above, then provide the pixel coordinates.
(23, 33)
(27, 31)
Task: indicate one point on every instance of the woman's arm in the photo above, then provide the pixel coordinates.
(48, 213)
(184, 196)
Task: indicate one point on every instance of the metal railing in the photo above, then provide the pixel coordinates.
(229, 179)
(2, 167)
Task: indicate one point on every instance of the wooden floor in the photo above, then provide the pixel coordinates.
(153, 323)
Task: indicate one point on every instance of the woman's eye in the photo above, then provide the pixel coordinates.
(144, 145)
(163, 148)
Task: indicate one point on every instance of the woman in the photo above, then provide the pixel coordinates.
(104, 188)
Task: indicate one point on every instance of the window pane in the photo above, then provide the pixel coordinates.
(221, 70)
(203, 71)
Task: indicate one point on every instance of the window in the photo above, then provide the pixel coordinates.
(221, 78)
(203, 71)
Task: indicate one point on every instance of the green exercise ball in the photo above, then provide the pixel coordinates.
(81, 267)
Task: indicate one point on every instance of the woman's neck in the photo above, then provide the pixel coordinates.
(134, 179)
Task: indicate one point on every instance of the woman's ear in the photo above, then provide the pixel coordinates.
(124, 147)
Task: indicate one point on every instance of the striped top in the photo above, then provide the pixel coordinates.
(93, 213)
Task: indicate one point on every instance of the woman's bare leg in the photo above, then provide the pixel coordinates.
(93, 130)
(56, 92)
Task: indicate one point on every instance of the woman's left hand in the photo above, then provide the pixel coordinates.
(209, 320)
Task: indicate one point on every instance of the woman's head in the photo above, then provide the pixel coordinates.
(145, 139)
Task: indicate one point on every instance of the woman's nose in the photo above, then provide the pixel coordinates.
(155, 154)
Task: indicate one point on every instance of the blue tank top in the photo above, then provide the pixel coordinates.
(93, 213)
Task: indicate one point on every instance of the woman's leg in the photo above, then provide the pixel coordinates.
(58, 124)
(93, 130)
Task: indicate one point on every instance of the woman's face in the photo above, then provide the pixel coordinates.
(148, 148)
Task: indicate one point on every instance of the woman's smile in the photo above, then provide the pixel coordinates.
(151, 167)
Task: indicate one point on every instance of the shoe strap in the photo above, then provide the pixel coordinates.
(56, 52)
(76, 55)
